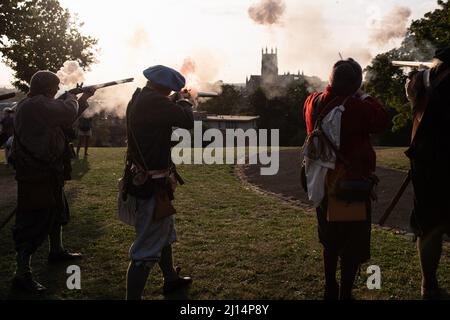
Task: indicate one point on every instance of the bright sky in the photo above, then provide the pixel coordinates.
(222, 39)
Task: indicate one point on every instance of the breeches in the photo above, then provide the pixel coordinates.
(41, 207)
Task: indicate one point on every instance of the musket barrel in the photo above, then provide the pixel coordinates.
(7, 96)
(207, 94)
(112, 83)
(103, 85)
(412, 64)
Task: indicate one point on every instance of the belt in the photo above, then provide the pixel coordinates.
(141, 177)
(157, 174)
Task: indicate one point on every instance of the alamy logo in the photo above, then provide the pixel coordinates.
(74, 280)
(241, 147)
(374, 280)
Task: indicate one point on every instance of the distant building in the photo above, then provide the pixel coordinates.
(223, 122)
(270, 79)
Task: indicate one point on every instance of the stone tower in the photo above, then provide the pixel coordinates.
(269, 66)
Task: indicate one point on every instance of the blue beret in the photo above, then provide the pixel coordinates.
(166, 77)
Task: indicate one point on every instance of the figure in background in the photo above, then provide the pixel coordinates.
(84, 134)
(7, 130)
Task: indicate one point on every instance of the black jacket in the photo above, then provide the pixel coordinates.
(151, 117)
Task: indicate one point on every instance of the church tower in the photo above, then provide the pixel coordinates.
(269, 66)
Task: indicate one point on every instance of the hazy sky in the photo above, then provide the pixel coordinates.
(222, 39)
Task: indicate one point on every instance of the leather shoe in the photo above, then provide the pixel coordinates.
(63, 256)
(26, 283)
(181, 282)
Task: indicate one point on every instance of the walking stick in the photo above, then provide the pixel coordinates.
(395, 200)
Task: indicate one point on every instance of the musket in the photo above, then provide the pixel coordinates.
(80, 88)
(7, 96)
(201, 94)
(396, 199)
(207, 95)
(413, 64)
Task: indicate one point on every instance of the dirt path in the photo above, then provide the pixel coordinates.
(287, 184)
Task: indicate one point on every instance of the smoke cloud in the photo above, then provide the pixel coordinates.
(70, 74)
(307, 44)
(267, 12)
(390, 27)
(112, 100)
(189, 71)
(201, 77)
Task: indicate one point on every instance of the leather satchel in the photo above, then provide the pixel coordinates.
(354, 190)
(163, 205)
(344, 211)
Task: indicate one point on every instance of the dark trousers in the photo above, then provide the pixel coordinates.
(3, 138)
(41, 209)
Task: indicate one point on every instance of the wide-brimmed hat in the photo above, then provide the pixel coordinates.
(165, 77)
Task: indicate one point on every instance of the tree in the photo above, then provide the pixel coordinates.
(296, 95)
(282, 112)
(41, 35)
(434, 27)
(229, 101)
(387, 82)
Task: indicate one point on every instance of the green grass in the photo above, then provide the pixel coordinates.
(392, 158)
(236, 244)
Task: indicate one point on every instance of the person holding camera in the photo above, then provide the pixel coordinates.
(149, 176)
(339, 124)
(39, 151)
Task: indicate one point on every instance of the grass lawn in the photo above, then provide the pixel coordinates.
(392, 158)
(235, 243)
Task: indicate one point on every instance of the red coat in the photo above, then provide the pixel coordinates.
(360, 119)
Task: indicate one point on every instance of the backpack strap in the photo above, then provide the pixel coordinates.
(320, 115)
(130, 131)
(318, 124)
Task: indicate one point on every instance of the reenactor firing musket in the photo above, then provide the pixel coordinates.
(407, 180)
(7, 96)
